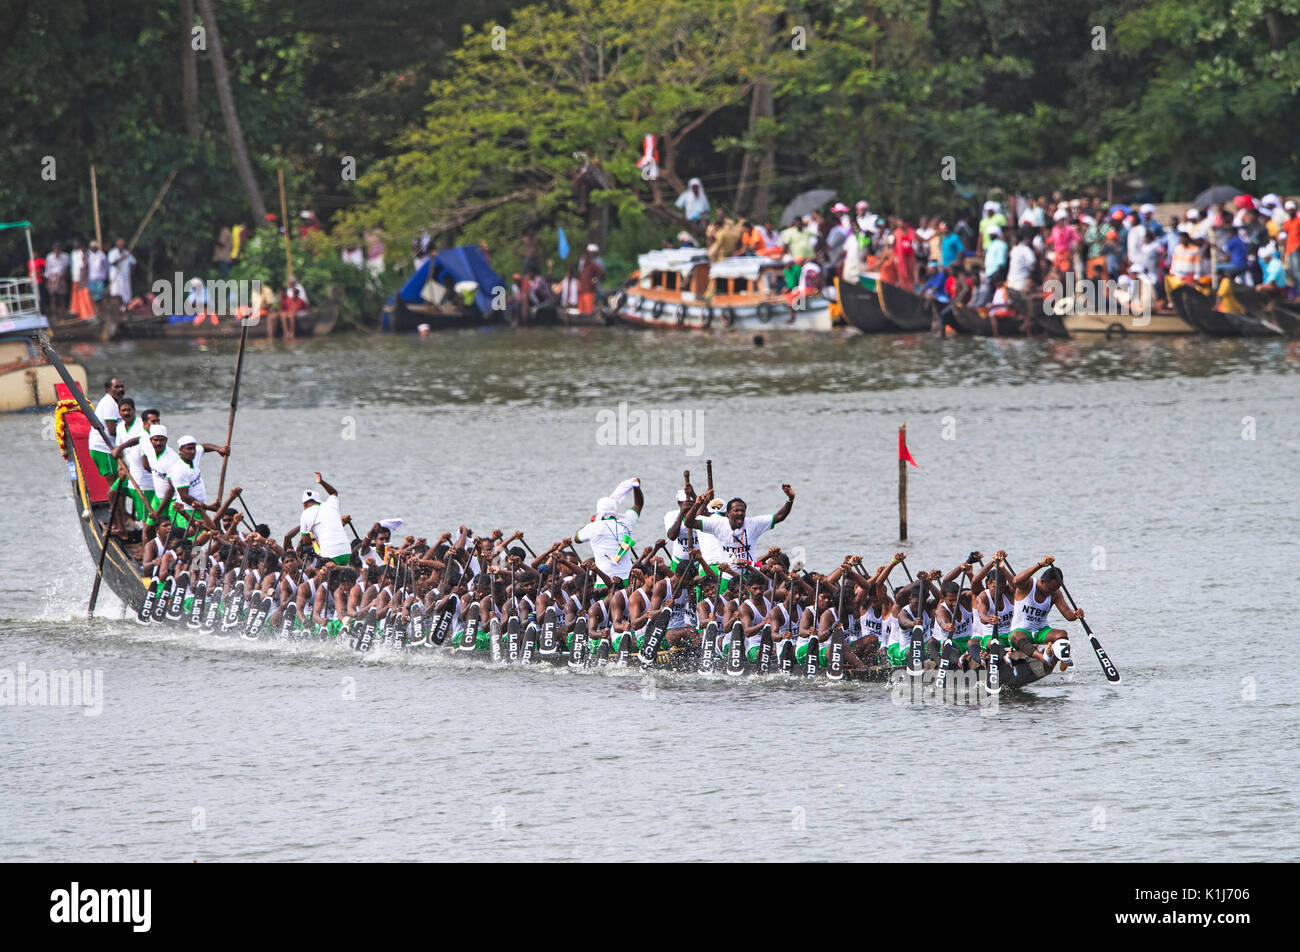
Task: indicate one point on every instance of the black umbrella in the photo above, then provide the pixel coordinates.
(1215, 196)
(805, 204)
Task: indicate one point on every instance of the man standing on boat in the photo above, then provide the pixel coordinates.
(321, 520)
(109, 415)
(610, 534)
(737, 532)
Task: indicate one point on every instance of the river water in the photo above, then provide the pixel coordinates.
(1162, 475)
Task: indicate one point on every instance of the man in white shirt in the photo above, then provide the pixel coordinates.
(101, 451)
(738, 532)
(1020, 267)
(96, 270)
(57, 284)
(321, 520)
(120, 262)
(185, 492)
(157, 458)
(185, 496)
(610, 534)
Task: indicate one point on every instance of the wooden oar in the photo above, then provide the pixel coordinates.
(1107, 666)
(234, 405)
(104, 541)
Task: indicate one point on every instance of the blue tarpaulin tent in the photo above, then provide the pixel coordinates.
(465, 263)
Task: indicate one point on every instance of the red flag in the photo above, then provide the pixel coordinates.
(903, 452)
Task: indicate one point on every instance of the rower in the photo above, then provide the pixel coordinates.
(952, 615)
(1030, 635)
(753, 614)
(817, 619)
(983, 584)
(155, 457)
(676, 524)
(185, 492)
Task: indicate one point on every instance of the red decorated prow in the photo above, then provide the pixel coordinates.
(73, 432)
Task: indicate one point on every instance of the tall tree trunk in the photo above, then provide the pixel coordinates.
(190, 74)
(234, 132)
(747, 160)
(767, 164)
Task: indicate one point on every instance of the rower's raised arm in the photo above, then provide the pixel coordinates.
(783, 513)
(330, 490)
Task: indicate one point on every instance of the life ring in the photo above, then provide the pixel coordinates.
(1116, 329)
(729, 317)
(656, 310)
(708, 315)
(679, 315)
(765, 312)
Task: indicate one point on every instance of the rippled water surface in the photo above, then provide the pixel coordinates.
(1164, 476)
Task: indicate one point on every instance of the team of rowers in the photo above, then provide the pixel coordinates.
(678, 601)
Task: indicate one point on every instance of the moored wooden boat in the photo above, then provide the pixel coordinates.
(316, 322)
(862, 309)
(26, 381)
(906, 310)
(1271, 308)
(680, 289)
(1196, 307)
(978, 323)
(1121, 325)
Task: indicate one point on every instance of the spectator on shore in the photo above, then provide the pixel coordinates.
(951, 249)
(1021, 263)
(993, 218)
(693, 202)
(1061, 241)
(1274, 274)
(222, 251)
(96, 271)
(1289, 237)
(120, 263)
(995, 254)
(58, 283)
(373, 240)
(590, 273)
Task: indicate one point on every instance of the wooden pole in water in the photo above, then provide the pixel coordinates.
(234, 405)
(94, 201)
(284, 220)
(152, 208)
(902, 485)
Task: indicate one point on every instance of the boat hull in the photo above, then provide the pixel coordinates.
(907, 311)
(1122, 325)
(976, 323)
(26, 381)
(317, 322)
(642, 310)
(862, 309)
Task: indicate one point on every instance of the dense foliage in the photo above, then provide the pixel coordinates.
(475, 120)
